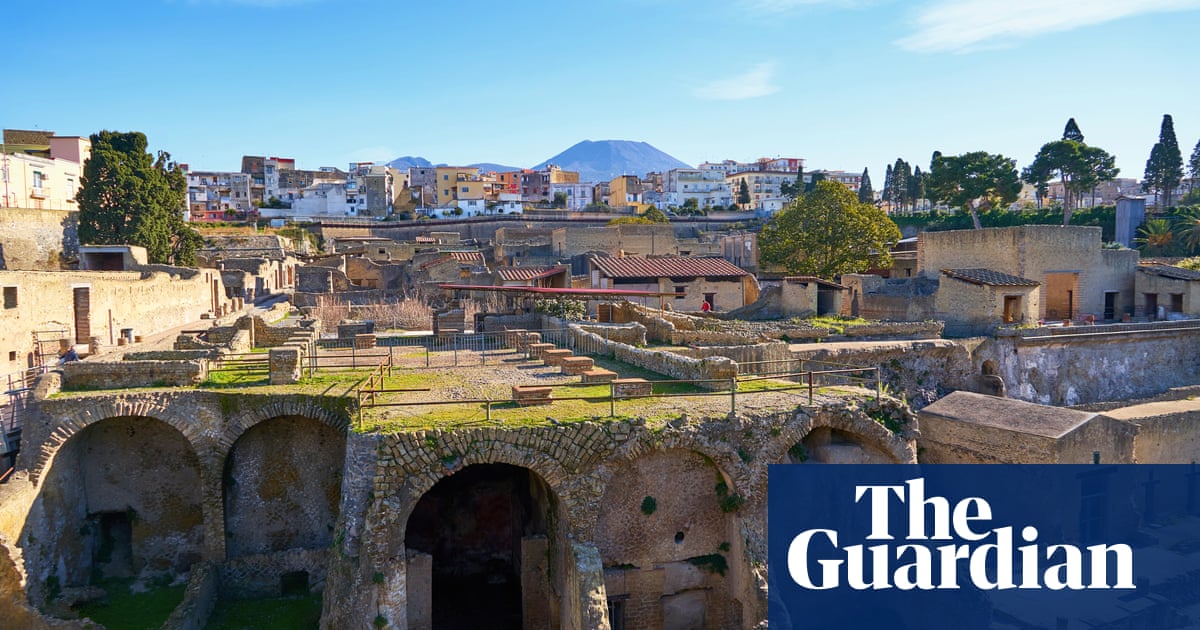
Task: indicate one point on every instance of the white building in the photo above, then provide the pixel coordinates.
(763, 186)
(707, 186)
(578, 195)
(212, 195)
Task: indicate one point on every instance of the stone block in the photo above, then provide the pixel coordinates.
(632, 387)
(598, 375)
(285, 365)
(364, 341)
(536, 349)
(574, 366)
(525, 395)
(555, 357)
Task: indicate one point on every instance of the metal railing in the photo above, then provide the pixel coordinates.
(806, 382)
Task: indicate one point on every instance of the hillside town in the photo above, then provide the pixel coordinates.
(363, 395)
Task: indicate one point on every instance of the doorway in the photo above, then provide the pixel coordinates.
(82, 297)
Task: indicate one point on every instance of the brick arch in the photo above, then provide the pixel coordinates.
(66, 426)
(413, 478)
(854, 422)
(244, 419)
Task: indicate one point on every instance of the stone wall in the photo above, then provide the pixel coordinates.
(37, 240)
(1089, 364)
(171, 355)
(667, 363)
(93, 374)
(918, 369)
(258, 575)
(146, 302)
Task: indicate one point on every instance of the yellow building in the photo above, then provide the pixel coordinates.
(624, 191)
(40, 170)
(448, 181)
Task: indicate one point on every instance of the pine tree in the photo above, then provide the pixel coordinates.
(865, 193)
(1072, 132)
(743, 196)
(1164, 169)
(900, 174)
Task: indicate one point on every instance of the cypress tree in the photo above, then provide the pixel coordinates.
(887, 186)
(1164, 169)
(865, 193)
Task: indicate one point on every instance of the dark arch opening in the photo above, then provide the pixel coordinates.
(826, 445)
(490, 531)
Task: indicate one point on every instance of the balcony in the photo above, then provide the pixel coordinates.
(39, 192)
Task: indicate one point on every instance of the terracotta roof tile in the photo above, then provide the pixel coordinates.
(990, 278)
(667, 266)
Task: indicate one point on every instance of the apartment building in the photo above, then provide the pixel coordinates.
(763, 186)
(219, 195)
(707, 186)
(41, 170)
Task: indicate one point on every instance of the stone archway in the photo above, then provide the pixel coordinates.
(488, 535)
(122, 497)
(670, 543)
(829, 445)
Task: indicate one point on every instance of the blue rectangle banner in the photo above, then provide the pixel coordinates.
(1061, 547)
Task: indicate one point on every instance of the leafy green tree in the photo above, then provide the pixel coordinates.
(743, 195)
(128, 197)
(901, 173)
(654, 215)
(560, 200)
(828, 232)
(974, 181)
(865, 193)
(1164, 169)
(690, 206)
(1072, 132)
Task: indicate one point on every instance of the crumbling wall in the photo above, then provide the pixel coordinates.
(37, 240)
(93, 374)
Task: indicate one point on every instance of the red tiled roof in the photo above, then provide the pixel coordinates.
(667, 267)
(528, 273)
(990, 278)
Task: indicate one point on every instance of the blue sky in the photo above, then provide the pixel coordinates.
(842, 83)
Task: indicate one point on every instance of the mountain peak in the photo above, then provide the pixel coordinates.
(602, 160)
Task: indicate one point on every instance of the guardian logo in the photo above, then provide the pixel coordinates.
(982, 546)
(956, 543)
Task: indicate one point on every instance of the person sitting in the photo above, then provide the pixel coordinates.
(71, 354)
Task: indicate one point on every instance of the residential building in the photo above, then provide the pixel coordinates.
(624, 191)
(422, 182)
(447, 180)
(850, 180)
(218, 195)
(763, 186)
(41, 170)
(707, 187)
(578, 195)
(692, 282)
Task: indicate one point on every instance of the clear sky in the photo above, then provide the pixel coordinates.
(842, 83)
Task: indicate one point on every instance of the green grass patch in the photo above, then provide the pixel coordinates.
(294, 613)
(125, 610)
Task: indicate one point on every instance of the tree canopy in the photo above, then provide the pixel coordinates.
(1194, 165)
(1072, 132)
(1079, 166)
(128, 197)
(743, 194)
(828, 232)
(973, 181)
(1164, 169)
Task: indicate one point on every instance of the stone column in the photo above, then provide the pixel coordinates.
(213, 507)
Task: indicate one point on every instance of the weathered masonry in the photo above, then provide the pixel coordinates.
(566, 526)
